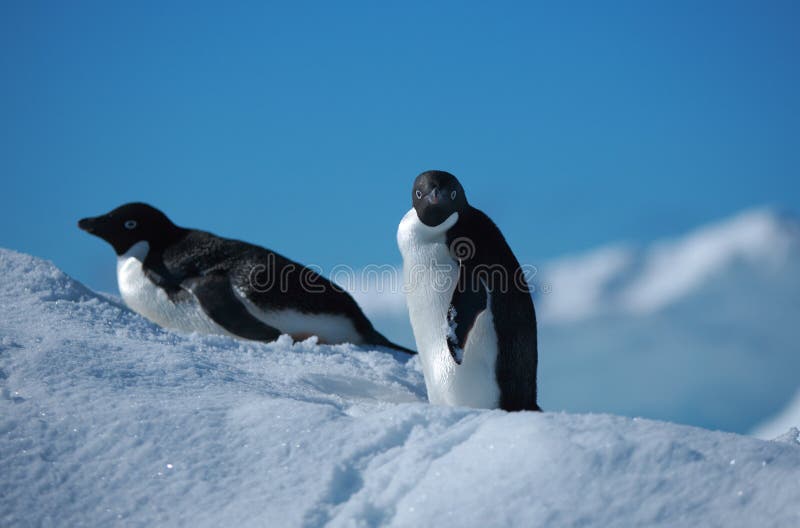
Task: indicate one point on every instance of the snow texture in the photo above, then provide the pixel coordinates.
(107, 420)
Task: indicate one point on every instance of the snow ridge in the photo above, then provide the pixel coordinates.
(620, 279)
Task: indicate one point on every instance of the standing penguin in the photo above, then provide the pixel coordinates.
(193, 281)
(468, 300)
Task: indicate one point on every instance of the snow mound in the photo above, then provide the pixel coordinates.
(674, 269)
(619, 279)
(107, 420)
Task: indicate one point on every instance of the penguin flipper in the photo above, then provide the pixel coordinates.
(219, 302)
(171, 287)
(468, 301)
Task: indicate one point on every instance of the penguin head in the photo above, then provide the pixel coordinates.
(129, 224)
(436, 195)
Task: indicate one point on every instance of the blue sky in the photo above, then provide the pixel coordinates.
(300, 126)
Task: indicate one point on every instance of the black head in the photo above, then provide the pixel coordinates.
(131, 223)
(436, 195)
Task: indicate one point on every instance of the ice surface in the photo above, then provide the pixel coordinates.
(107, 420)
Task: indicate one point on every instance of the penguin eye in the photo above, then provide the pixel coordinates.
(453, 195)
(419, 194)
(130, 224)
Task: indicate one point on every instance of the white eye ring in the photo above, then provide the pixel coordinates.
(453, 195)
(130, 224)
(419, 194)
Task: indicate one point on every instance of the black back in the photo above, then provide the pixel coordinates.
(488, 264)
(268, 279)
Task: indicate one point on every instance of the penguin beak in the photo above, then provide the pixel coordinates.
(88, 224)
(434, 196)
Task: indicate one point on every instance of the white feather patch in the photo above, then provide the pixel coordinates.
(430, 276)
(329, 328)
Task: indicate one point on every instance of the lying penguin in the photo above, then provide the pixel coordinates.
(193, 281)
(468, 301)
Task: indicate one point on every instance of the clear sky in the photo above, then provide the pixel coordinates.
(300, 126)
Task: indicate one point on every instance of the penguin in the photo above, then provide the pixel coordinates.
(469, 303)
(193, 281)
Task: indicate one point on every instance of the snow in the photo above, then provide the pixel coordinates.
(674, 269)
(622, 280)
(699, 329)
(784, 420)
(581, 283)
(107, 420)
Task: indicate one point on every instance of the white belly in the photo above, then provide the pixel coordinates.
(145, 298)
(430, 276)
(329, 328)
